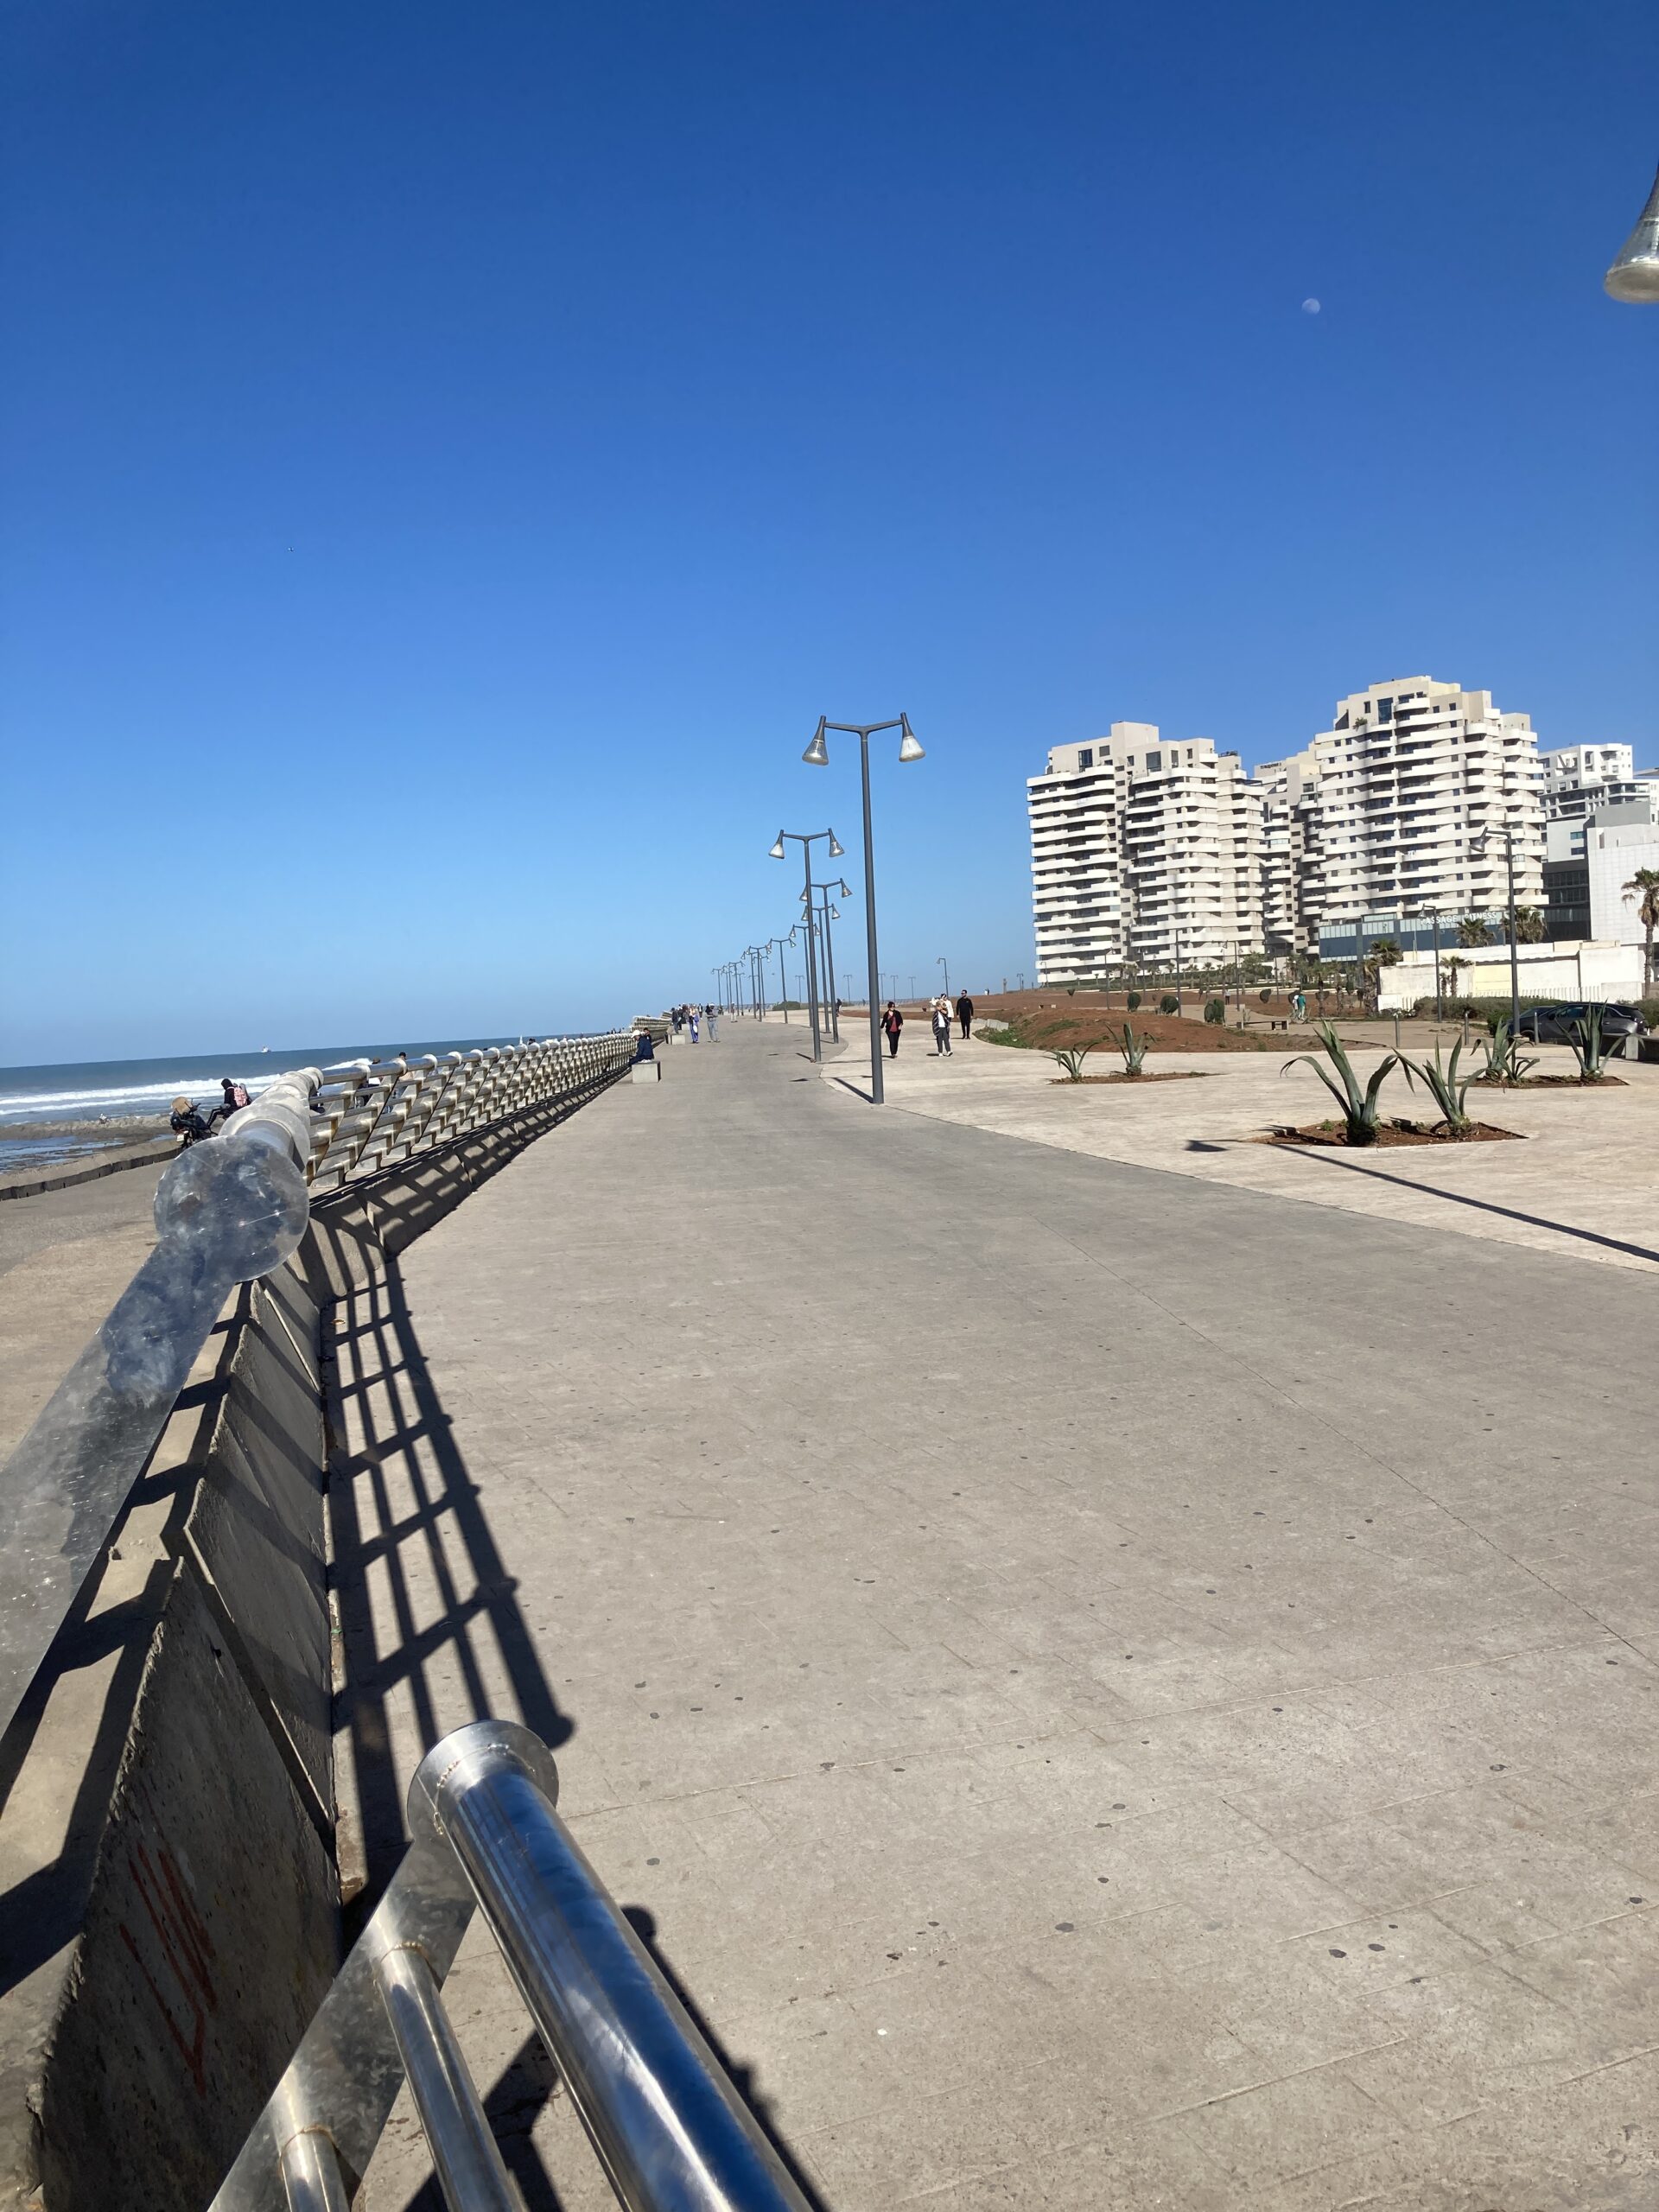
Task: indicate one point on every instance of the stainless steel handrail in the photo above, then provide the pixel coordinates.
(670, 2131)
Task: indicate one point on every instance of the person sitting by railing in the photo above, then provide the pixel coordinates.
(188, 1124)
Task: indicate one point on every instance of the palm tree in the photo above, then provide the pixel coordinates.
(1473, 931)
(1451, 969)
(1529, 926)
(1645, 882)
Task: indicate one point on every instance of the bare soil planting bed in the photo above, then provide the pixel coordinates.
(1052, 1030)
(1163, 1074)
(1554, 1083)
(1392, 1133)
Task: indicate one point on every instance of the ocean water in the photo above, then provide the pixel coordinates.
(83, 1093)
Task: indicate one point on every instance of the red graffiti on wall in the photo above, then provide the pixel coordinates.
(187, 1950)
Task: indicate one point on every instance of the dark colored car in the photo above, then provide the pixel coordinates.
(1553, 1025)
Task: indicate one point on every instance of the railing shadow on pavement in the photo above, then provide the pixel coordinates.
(405, 1508)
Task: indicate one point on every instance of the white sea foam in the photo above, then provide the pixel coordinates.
(136, 1098)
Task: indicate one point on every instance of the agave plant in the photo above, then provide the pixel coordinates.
(1439, 1078)
(1071, 1060)
(1588, 1049)
(1134, 1049)
(1505, 1062)
(1358, 1107)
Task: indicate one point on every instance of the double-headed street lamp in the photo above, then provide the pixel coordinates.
(806, 840)
(776, 944)
(816, 755)
(826, 914)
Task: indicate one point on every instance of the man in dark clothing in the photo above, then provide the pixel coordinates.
(892, 1022)
(964, 1011)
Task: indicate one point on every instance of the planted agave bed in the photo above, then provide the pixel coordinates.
(1163, 1075)
(1395, 1133)
(1551, 1083)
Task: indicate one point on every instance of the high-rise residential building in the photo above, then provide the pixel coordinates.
(1079, 899)
(1170, 855)
(1580, 779)
(1143, 849)
(1413, 776)
(1289, 844)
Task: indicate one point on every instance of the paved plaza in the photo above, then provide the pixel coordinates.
(1106, 1689)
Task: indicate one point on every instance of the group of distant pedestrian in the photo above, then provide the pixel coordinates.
(939, 1014)
(689, 1020)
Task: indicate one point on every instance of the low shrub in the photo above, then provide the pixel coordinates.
(1215, 1010)
(1133, 1002)
(1169, 1003)
(994, 1033)
(1266, 997)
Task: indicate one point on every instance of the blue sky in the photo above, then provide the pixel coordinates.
(453, 455)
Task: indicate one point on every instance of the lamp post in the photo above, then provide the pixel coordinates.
(758, 980)
(1634, 276)
(945, 964)
(817, 756)
(1480, 846)
(777, 944)
(806, 840)
(827, 914)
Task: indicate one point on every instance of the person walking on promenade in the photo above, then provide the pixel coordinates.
(692, 1022)
(942, 1028)
(892, 1022)
(711, 1017)
(676, 1017)
(964, 1013)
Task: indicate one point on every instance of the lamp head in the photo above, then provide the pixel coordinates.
(909, 744)
(776, 853)
(1633, 277)
(837, 852)
(817, 754)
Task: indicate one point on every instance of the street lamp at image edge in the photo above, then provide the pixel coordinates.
(1634, 276)
(776, 851)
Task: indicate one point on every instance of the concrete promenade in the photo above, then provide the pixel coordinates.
(1082, 1729)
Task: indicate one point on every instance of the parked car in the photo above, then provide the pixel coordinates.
(1553, 1025)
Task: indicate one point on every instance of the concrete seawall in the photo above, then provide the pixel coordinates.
(167, 1835)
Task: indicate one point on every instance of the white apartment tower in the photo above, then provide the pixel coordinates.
(1169, 856)
(1413, 776)
(1143, 850)
(1579, 779)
